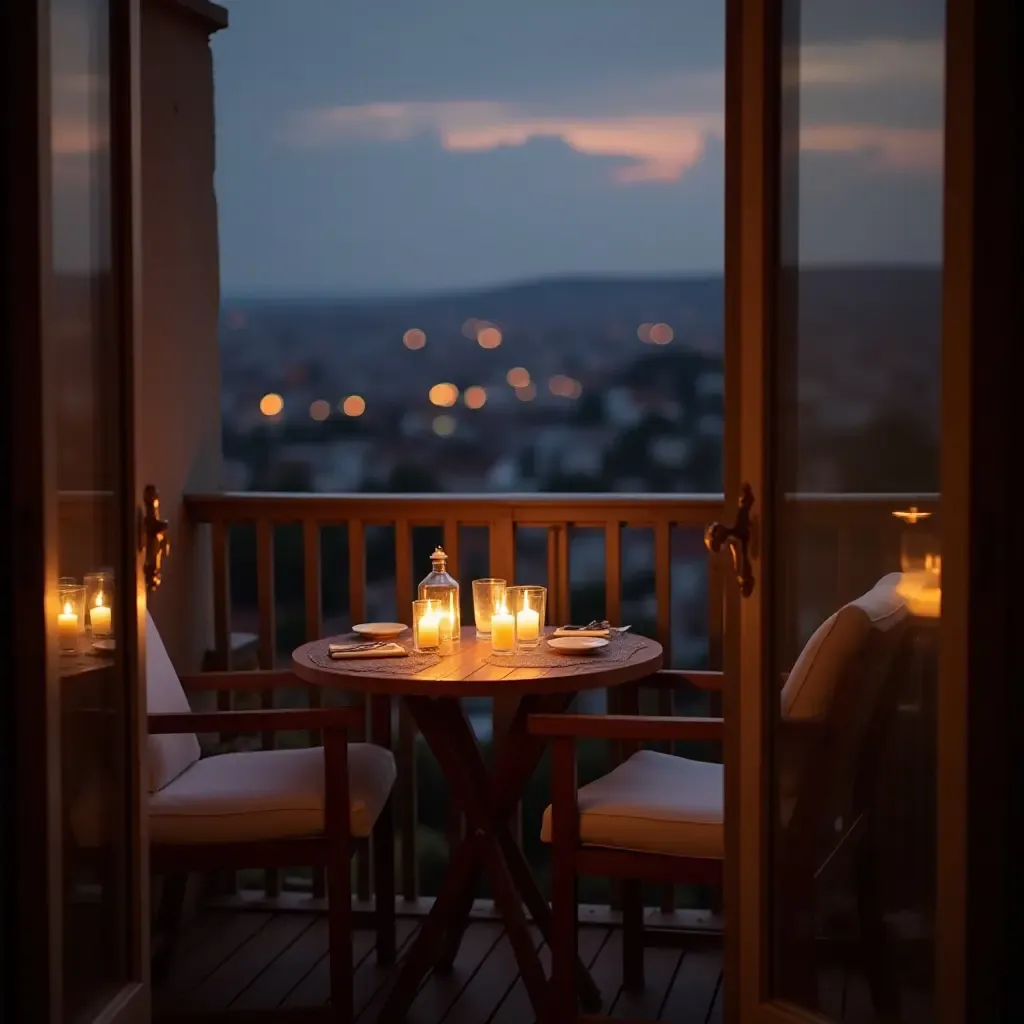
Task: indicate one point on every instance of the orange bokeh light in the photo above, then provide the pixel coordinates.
(354, 405)
(414, 338)
(661, 334)
(271, 404)
(444, 394)
(518, 377)
(527, 393)
(475, 397)
(488, 337)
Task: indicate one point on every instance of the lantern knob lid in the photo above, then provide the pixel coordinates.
(438, 559)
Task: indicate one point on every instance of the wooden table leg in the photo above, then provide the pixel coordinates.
(487, 802)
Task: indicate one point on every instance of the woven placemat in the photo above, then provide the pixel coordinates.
(621, 648)
(408, 666)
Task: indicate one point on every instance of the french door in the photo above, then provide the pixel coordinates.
(835, 267)
(80, 909)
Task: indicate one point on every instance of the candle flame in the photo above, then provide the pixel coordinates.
(67, 607)
(99, 599)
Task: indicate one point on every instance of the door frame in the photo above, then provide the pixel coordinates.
(978, 733)
(32, 804)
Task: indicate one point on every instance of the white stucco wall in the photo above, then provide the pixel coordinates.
(180, 422)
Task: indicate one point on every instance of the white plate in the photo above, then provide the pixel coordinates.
(380, 630)
(577, 644)
(104, 645)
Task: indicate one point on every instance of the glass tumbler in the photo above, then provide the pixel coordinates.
(488, 596)
(528, 607)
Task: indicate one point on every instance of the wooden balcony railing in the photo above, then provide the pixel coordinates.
(853, 539)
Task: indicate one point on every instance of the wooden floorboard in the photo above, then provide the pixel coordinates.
(253, 961)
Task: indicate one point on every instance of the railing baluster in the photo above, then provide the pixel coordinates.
(313, 607)
(407, 775)
(357, 613)
(552, 566)
(663, 597)
(408, 803)
(613, 612)
(267, 647)
(228, 880)
(562, 563)
(451, 545)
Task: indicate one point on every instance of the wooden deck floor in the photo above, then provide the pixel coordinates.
(266, 960)
(261, 961)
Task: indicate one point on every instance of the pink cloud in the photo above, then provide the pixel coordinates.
(909, 149)
(659, 147)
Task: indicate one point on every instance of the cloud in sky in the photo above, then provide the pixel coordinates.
(387, 145)
(658, 146)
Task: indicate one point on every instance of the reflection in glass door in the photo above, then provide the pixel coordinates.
(853, 598)
(94, 599)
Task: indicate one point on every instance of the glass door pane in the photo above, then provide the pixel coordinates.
(94, 599)
(855, 471)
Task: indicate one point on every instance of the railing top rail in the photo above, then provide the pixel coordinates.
(685, 509)
(468, 509)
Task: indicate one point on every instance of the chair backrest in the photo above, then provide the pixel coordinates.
(840, 677)
(169, 756)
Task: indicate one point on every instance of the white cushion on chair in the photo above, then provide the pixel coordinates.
(835, 644)
(654, 803)
(266, 794)
(168, 755)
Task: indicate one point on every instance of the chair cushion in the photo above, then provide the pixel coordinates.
(654, 803)
(835, 644)
(266, 794)
(168, 756)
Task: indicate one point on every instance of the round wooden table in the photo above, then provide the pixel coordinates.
(487, 795)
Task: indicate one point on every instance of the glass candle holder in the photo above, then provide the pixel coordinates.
(426, 627)
(503, 628)
(528, 606)
(70, 616)
(488, 595)
(99, 602)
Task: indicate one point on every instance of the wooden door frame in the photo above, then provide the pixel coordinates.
(753, 127)
(980, 703)
(31, 799)
(978, 738)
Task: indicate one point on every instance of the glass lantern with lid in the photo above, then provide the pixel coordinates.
(441, 587)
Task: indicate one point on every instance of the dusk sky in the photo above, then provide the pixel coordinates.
(413, 145)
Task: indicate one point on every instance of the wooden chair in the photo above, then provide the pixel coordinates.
(659, 818)
(270, 808)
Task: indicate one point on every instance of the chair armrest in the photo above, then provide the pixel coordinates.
(626, 727)
(263, 720)
(668, 678)
(266, 679)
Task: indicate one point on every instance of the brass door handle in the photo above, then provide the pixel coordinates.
(153, 539)
(738, 537)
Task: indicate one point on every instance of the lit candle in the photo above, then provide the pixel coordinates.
(527, 624)
(429, 630)
(100, 615)
(503, 635)
(67, 623)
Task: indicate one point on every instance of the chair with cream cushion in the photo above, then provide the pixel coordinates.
(660, 818)
(269, 808)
